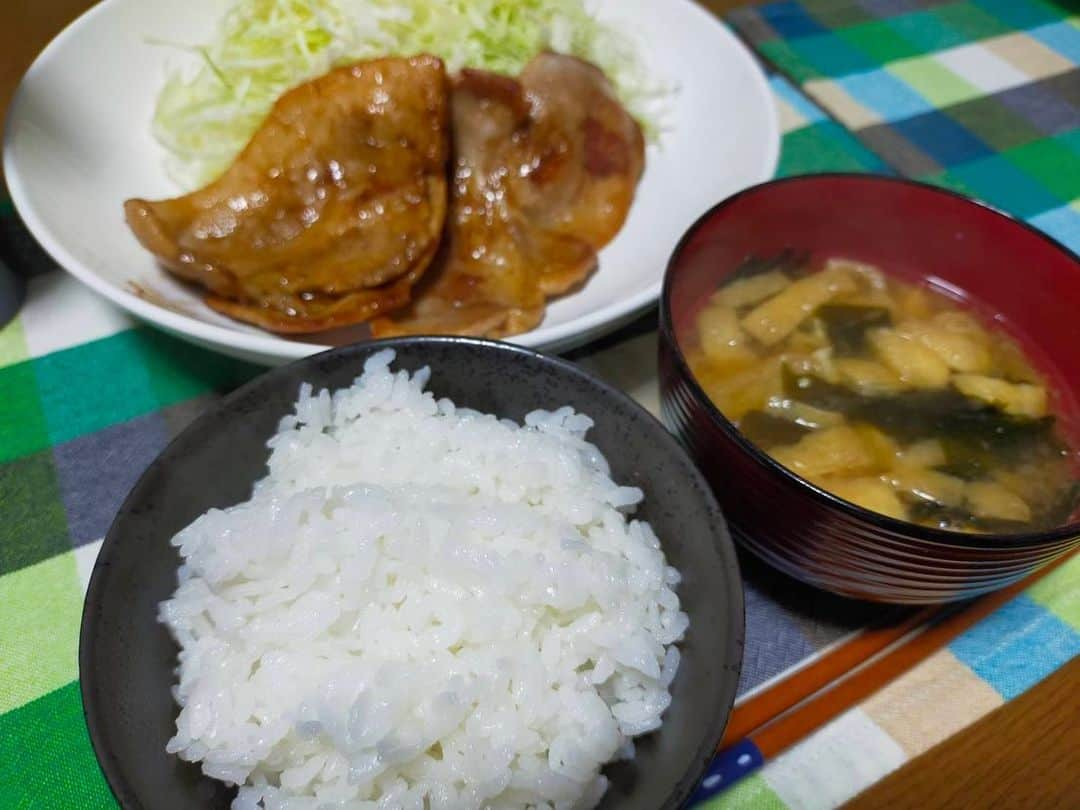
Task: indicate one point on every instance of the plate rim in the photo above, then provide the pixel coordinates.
(231, 340)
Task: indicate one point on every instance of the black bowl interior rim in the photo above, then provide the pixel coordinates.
(943, 537)
(736, 619)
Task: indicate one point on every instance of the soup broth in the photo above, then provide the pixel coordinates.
(889, 395)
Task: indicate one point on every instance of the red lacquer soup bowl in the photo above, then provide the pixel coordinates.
(1008, 272)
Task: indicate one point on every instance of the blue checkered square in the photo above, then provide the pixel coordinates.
(789, 19)
(885, 94)
(942, 138)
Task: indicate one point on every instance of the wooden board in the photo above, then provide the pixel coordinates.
(1025, 754)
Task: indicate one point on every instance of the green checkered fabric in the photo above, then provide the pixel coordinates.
(981, 96)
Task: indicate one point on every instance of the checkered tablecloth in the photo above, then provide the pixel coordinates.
(88, 398)
(982, 96)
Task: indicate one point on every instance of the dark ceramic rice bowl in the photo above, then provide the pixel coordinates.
(127, 658)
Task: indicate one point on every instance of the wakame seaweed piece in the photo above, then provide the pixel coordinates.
(946, 517)
(977, 441)
(847, 325)
(948, 414)
(767, 430)
(907, 416)
(820, 393)
(968, 455)
(1003, 437)
(1002, 526)
(985, 420)
(977, 430)
(966, 460)
(971, 453)
(914, 415)
(1060, 512)
(789, 261)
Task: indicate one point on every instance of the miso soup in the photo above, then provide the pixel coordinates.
(889, 395)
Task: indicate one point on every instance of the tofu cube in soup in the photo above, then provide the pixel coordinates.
(868, 377)
(725, 344)
(987, 499)
(870, 493)
(745, 292)
(779, 316)
(959, 352)
(744, 391)
(833, 451)
(928, 485)
(925, 453)
(910, 360)
(1015, 399)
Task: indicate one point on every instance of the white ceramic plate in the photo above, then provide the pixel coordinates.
(78, 144)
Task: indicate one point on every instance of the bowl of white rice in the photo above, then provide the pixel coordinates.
(421, 573)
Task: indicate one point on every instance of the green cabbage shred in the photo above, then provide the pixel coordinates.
(203, 117)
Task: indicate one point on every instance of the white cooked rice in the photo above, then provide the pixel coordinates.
(421, 606)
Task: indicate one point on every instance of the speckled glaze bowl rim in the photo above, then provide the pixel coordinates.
(720, 539)
(943, 537)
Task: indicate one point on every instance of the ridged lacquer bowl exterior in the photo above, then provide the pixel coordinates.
(791, 524)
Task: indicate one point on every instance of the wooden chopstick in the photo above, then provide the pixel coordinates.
(742, 756)
(815, 676)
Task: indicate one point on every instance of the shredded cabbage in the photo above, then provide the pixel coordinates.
(204, 117)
